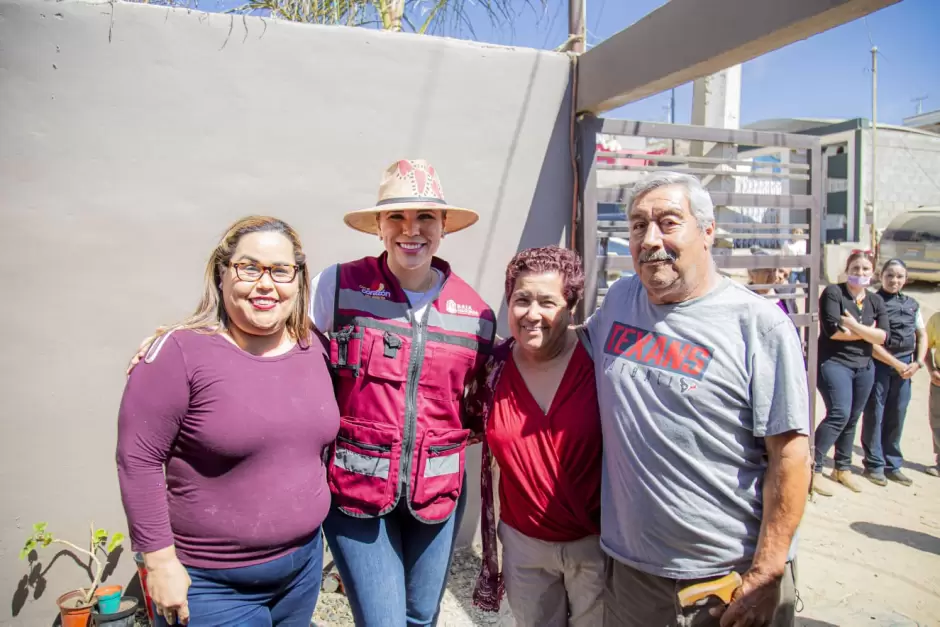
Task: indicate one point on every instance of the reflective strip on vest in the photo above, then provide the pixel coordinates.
(440, 466)
(361, 464)
(378, 307)
(461, 324)
(397, 312)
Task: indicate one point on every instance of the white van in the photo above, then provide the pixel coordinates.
(914, 238)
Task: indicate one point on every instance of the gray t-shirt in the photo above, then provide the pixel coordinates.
(687, 392)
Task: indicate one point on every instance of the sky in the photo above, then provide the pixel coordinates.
(825, 76)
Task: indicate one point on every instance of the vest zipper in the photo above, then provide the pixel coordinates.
(443, 447)
(379, 448)
(411, 399)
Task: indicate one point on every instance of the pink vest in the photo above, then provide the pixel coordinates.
(400, 386)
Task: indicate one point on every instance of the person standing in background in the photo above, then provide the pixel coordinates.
(851, 320)
(933, 367)
(793, 247)
(895, 363)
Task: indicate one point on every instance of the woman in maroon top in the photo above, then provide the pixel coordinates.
(220, 439)
(538, 403)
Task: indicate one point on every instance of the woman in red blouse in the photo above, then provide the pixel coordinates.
(537, 402)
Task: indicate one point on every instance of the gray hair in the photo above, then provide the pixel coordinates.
(700, 203)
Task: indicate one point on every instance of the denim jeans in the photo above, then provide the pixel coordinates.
(845, 392)
(281, 592)
(394, 567)
(884, 419)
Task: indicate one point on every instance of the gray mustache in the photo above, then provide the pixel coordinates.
(657, 255)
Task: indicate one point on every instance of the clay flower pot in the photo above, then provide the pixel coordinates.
(73, 609)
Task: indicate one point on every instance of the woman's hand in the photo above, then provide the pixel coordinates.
(168, 584)
(142, 351)
(848, 323)
(909, 370)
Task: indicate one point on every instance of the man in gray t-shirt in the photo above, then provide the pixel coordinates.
(705, 415)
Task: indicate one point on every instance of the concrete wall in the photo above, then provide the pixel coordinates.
(908, 165)
(131, 136)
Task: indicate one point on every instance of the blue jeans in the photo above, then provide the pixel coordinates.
(281, 592)
(394, 567)
(845, 391)
(884, 419)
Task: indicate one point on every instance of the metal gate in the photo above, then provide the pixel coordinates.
(764, 185)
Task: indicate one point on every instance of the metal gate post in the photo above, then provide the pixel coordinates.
(588, 127)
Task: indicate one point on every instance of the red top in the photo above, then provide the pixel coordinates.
(549, 465)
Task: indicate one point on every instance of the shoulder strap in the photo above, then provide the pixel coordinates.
(339, 267)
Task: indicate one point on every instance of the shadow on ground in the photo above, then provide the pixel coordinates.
(914, 539)
(812, 622)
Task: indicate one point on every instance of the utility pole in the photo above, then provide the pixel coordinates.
(874, 144)
(577, 30)
(672, 114)
(920, 103)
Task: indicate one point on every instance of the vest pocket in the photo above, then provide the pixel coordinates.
(445, 373)
(438, 474)
(363, 468)
(346, 351)
(388, 357)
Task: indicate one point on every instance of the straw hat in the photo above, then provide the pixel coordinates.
(410, 184)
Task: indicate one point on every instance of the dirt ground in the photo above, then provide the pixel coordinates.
(869, 559)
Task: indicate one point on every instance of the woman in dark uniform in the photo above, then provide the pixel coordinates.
(851, 320)
(896, 362)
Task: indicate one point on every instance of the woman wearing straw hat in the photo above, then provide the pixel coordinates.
(406, 334)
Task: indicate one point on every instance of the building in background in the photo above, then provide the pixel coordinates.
(929, 121)
(908, 163)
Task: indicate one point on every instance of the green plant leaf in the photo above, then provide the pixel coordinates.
(39, 527)
(100, 536)
(27, 548)
(115, 542)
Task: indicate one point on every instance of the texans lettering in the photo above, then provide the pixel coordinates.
(658, 351)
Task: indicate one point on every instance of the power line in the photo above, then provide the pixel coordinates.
(600, 13)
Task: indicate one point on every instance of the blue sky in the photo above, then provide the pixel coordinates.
(826, 76)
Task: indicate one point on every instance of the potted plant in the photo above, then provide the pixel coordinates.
(75, 606)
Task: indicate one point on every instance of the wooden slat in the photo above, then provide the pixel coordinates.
(620, 195)
(691, 159)
(745, 262)
(658, 130)
(701, 171)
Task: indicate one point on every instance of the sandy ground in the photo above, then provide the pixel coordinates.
(869, 559)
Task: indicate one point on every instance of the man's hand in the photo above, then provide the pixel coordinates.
(753, 604)
(935, 377)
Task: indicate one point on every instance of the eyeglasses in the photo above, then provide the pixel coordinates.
(250, 271)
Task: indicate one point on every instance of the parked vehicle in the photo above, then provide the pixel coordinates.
(914, 238)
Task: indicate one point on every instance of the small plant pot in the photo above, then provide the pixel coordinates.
(109, 599)
(125, 616)
(73, 609)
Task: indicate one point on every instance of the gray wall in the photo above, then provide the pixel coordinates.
(908, 166)
(122, 161)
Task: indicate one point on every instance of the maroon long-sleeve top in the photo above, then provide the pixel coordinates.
(220, 451)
